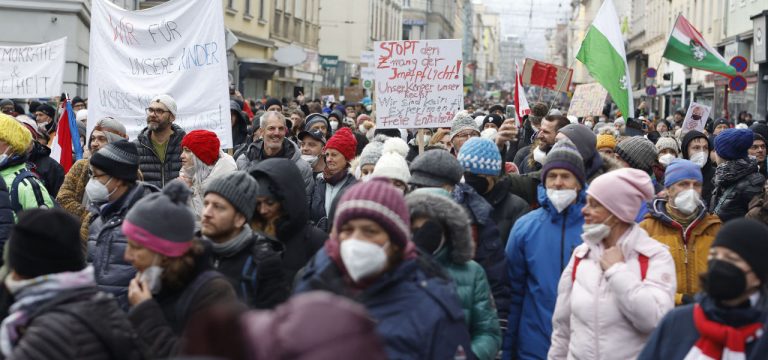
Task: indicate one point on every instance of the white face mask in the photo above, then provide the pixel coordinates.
(426, 139)
(311, 159)
(687, 201)
(539, 156)
(362, 129)
(362, 258)
(151, 276)
(594, 234)
(98, 192)
(589, 124)
(365, 178)
(560, 199)
(699, 158)
(665, 159)
(334, 124)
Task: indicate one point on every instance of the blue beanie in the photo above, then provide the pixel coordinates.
(680, 169)
(480, 156)
(733, 144)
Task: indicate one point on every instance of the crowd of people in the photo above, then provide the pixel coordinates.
(320, 236)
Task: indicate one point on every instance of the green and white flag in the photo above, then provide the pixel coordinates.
(602, 52)
(686, 46)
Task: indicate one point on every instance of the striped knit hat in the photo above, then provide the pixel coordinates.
(119, 159)
(480, 156)
(564, 155)
(638, 152)
(379, 201)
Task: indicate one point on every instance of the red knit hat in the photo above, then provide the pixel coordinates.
(204, 144)
(344, 142)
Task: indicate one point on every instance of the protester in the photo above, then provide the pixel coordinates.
(737, 179)
(393, 167)
(273, 144)
(757, 152)
(273, 104)
(336, 177)
(530, 160)
(311, 143)
(239, 123)
(58, 312)
(366, 162)
(620, 282)
(668, 150)
(530, 127)
(318, 122)
(728, 319)
(113, 190)
(680, 220)
(159, 144)
(720, 125)
(282, 212)
(45, 116)
(370, 257)
(482, 165)
(201, 161)
(441, 228)
(696, 147)
(7, 107)
(606, 143)
(439, 169)
(462, 128)
(586, 142)
(249, 260)
(72, 195)
(538, 250)
(172, 282)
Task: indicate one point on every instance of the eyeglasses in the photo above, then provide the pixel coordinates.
(151, 111)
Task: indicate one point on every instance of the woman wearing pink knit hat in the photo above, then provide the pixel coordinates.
(619, 282)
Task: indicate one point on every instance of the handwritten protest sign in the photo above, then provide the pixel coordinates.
(588, 99)
(176, 48)
(32, 71)
(418, 83)
(696, 117)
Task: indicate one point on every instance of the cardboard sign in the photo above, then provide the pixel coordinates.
(696, 117)
(32, 71)
(353, 94)
(418, 83)
(588, 99)
(549, 76)
(176, 48)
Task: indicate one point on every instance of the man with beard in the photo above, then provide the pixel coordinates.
(545, 139)
(159, 144)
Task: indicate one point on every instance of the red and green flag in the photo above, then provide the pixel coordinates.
(686, 46)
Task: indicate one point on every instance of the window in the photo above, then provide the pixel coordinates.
(247, 11)
(261, 11)
(279, 4)
(300, 6)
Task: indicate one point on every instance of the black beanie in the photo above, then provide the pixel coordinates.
(118, 159)
(45, 241)
(749, 239)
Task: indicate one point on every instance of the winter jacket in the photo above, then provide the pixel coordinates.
(300, 239)
(107, 243)
(758, 208)
(416, 311)
(254, 153)
(223, 166)
(317, 202)
(489, 252)
(689, 247)
(676, 335)
(538, 250)
(160, 321)
(471, 283)
(524, 159)
(507, 207)
(72, 191)
(736, 183)
(240, 128)
(155, 172)
(49, 170)
(78, 324)
(610, 314)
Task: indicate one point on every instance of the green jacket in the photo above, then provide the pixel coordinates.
(26, 194)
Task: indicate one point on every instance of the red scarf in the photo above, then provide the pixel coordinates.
(719, 341)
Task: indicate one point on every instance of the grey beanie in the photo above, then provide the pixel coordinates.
(583, 138)
(371, 153)
(316, 118)
(462, 121)
(435, 168)
(5, 102)
(638, 152)
(162, 221)
(239, 188)
(113, 129)
(667, 142)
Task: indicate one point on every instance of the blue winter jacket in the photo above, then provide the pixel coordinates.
(417, 315)
(538, 249)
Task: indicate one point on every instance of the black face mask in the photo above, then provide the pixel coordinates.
(480, 184)
(723, 280)
(696, 117)
(429, 237)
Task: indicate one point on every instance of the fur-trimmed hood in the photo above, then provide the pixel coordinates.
(451, 216)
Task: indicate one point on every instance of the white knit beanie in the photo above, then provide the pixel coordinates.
(392, 166)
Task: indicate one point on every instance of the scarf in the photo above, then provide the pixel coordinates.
(232, 246)
(336, 178)
(31, 294)
(733, 170)
(720, 341)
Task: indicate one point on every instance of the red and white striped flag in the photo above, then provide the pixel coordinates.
(64, 142)
(521, 103)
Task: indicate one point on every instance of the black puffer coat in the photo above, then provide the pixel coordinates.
(736, 183)
(50, 171)
(507, 207)
(155, 172)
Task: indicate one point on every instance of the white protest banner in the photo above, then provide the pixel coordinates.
(175, 48)
(588, 99)
(32, 71)
(418, 83)
(696, 117)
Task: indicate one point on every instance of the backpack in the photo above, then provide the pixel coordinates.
(21, 176)
(642, 259)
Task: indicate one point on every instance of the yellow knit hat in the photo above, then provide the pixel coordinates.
(606, 140)
(14, 134)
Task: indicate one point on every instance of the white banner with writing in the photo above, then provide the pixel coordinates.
(32, 71)
(418, 83)
(175, 48)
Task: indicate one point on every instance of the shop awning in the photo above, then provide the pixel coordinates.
(259, 68)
